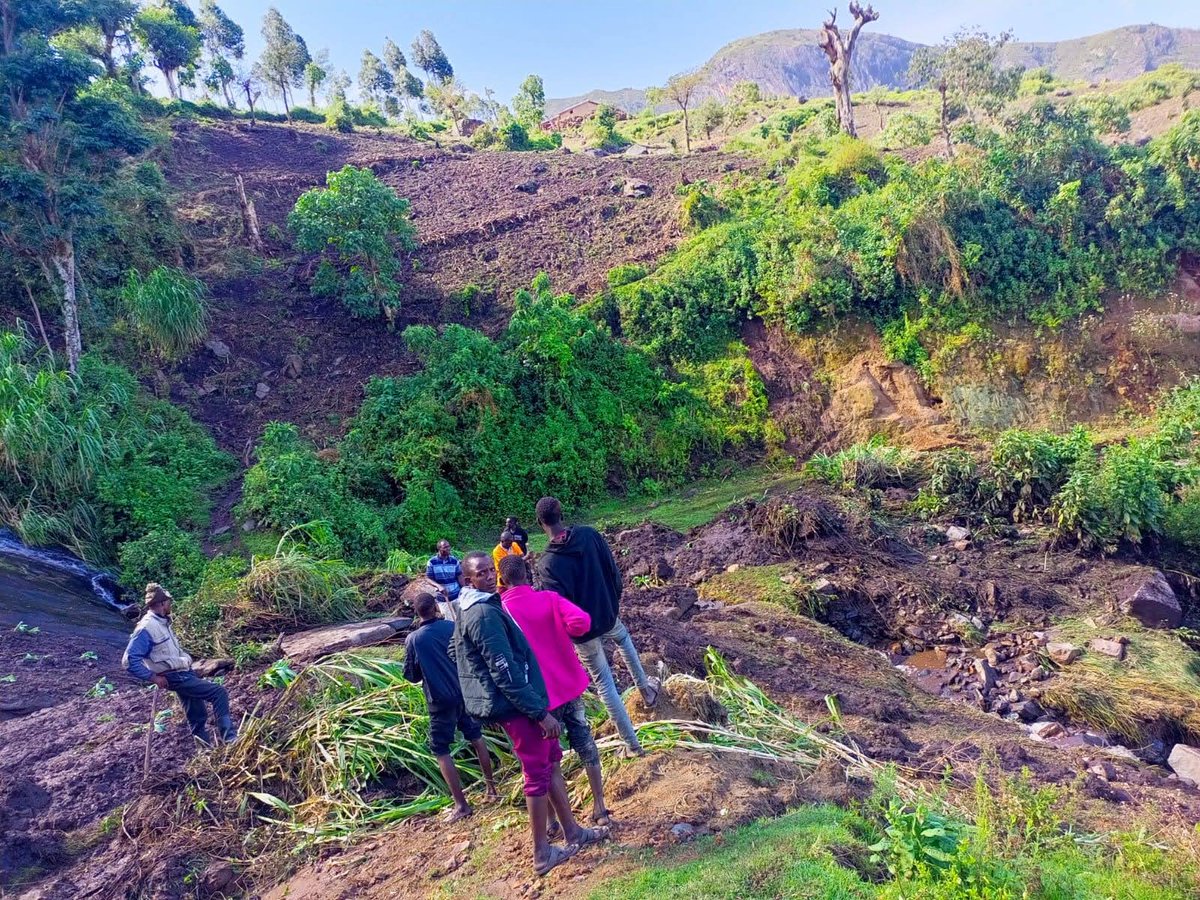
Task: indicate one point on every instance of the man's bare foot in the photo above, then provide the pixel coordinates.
(491, 795)
(458, 814)
(602, 817)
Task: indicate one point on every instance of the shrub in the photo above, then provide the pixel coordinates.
(292, 588)
(168, 555)
(906, 129)
(289, 486)
(167, 306)
(338, 116)
(700, 209)
(1182, 523)
(870, 465)
(1029, 468)
(357, 223)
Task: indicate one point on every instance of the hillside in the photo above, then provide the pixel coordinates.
(789, 62)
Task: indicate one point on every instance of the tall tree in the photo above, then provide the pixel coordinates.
(680, 90)
(314, 76)
(529, 105)
(450, 99)
(225, 43)
(431, 59)
(840, 50)
(374, 78)
(393, 58)
(964, 72)
(61, 136)
(170, 33)
(283, 58)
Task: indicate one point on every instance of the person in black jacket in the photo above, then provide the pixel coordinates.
(579, 565)
(520, 535)
(501, 683)
(427, 662)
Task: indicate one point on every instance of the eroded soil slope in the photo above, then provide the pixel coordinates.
(484, 219)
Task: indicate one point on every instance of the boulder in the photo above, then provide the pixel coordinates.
(207, 668)
(1149, 599)
(637, 150)
(1115, 649)
(986, 674)
(218, 348)
(635, 187)
(1045, 730)
(1028, 710)
(306, 646)
(261, 390)
(1105, 771)
(824, 586)
(1185, 762)
(528, 187)
(957, 533)
(293, 365)
(1063, 653)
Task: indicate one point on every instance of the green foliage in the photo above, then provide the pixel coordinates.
(1029, 468)
(529, 105)
(871, 465)
(338, 116)
(101, 689)
(167, 306)
(601, 129)
(401, 562)
(700, 208)
(289, 485)
(167, 555)
(358, 223)
(908, 129)
(553, 406)
(92, 462)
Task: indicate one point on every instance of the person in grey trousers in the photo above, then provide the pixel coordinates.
(579, 565)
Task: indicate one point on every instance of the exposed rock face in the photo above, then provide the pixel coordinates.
(1149, 599)
(1185, 762)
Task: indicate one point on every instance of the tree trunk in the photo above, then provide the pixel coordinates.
(172, 88)
(841, 87)
(249, 216)
(687, 133)
(946, 120)
(312, 97)
(37, 315)
(286, 109)
(228, 98)
(64, 264)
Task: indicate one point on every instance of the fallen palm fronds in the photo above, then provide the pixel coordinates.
(316, 765)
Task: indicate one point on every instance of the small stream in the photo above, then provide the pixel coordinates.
(48, 588)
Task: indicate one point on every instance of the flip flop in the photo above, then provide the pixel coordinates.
(592, 836)
(558, 856)
(457, 815)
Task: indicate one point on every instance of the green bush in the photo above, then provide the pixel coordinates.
(168, 555)
(358, 223)
(870, 465)
(554, 405)
(700, 209)
(1029, 468)
(91, 462)
(167, 306)
(289, 486)
(338, 117)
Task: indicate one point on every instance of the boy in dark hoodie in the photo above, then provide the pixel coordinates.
(427, 662)
(502, 684)
(578, 565)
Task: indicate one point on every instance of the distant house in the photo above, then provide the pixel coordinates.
(575, 115)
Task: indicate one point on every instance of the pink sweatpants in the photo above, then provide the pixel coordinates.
(537, 754)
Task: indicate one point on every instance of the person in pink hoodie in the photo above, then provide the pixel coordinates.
(549, 621)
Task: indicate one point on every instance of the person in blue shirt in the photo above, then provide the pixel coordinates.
(154, 654)
(446, 571)
(427, 662)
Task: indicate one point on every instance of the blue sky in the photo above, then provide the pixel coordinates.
(577, 46)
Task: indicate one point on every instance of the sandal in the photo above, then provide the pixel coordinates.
(592, 836)
(556, 857)
(457, 815)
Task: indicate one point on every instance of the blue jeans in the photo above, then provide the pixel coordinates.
(193, 693)
(591, 654)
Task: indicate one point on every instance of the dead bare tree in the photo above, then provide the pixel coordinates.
(840, 51)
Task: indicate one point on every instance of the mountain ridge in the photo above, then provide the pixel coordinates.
(788, 61)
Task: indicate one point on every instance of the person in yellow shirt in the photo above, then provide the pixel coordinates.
(508, 546)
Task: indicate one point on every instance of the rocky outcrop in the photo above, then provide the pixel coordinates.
(1149, 599)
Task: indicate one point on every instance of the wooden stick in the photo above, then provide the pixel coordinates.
(150, 732)
(249, 215)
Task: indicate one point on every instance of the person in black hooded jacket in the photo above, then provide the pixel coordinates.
(579, 565)
(502, 684)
